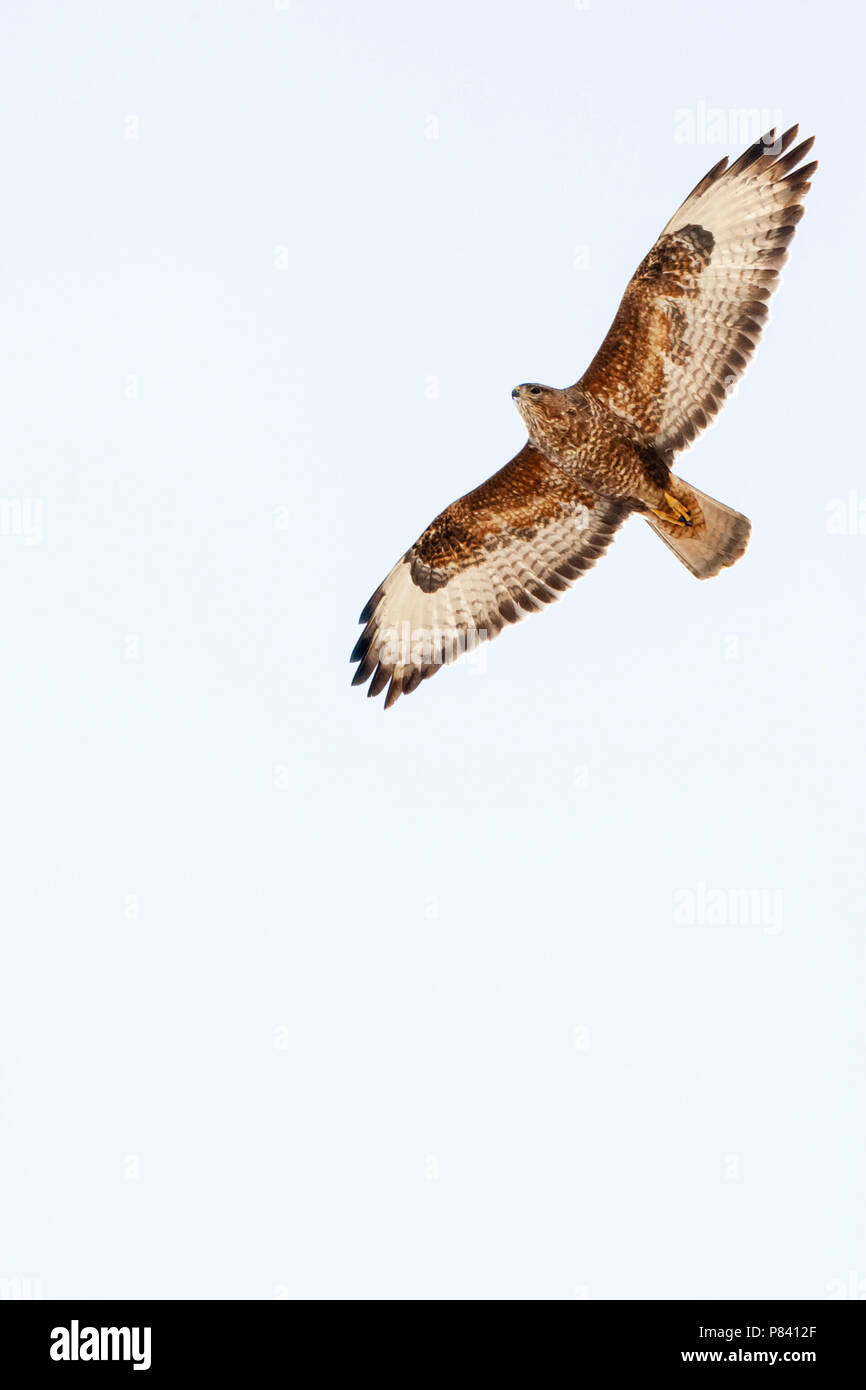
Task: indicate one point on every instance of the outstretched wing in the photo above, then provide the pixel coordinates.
(505, 550)
(694, 308)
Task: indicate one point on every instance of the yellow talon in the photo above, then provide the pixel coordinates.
(676, 515)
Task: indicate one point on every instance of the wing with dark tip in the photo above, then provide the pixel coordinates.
(694, 309)
(508, 548)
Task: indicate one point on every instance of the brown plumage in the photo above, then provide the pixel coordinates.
(603, 448)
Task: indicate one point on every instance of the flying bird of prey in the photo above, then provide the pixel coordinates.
(603, 448)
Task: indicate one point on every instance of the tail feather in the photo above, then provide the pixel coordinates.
(717, 537)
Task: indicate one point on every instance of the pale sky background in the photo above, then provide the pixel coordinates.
(302, 999)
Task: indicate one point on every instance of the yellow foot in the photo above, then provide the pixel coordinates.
(677, 514)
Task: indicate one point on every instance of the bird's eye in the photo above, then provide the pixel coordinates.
(535, 390)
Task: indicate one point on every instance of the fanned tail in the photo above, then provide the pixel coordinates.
(717, 537)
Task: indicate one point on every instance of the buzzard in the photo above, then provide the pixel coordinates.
(603, 448)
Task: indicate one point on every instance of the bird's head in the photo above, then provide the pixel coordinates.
(538, 406)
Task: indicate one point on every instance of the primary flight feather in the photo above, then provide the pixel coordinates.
(603, 448)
